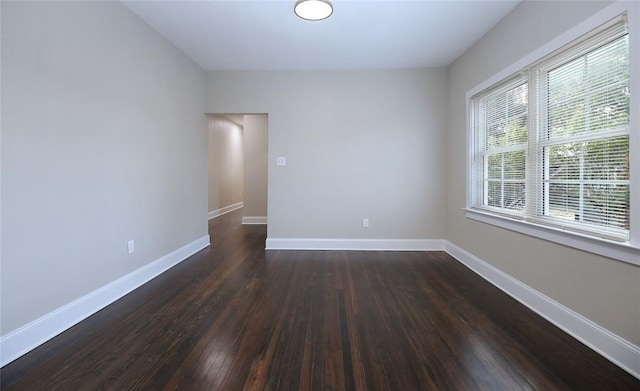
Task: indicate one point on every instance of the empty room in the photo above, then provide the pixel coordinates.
(423, 195)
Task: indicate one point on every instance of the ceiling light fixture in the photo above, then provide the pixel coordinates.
(313, 9)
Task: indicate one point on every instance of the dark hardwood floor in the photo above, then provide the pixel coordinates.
(237, 317)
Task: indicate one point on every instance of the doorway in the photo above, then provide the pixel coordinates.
(238, 156)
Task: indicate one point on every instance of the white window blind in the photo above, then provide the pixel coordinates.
(581, 160)
(552, 146)
(501, 132)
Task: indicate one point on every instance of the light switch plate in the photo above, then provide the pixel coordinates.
(281, 161)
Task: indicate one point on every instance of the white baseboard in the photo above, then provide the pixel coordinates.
(616, 349)
(33, 334)
(226, 209)
(355, 244)
(254, 220)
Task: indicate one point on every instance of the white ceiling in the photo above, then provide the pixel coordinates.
(361, 34)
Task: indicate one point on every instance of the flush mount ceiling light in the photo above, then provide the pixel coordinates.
(313, 9)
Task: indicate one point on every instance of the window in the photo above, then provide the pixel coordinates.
(501, 131)
(581, 146)
(551, 144)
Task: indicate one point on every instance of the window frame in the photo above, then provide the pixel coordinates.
(623, 251)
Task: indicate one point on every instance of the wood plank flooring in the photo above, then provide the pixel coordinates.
(237, 317)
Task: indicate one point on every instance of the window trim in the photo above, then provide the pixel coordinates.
(624, 251)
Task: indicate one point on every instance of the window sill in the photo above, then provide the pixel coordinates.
(615, 250)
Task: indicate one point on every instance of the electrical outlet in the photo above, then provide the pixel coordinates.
(365, 223)
(131, 245)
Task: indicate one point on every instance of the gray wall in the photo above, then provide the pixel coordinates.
(601, 289)
(104, 139)
(256, 147)
(358, 144)
(226, 162)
